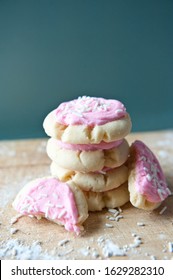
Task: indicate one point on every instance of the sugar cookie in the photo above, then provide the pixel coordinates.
(62, 203)
(75, 159)
(147, 183)
(92, 181)
(109, 199)
(88, 120)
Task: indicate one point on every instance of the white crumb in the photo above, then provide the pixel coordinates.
(63, 254)
(13, 230)
(113, 211)
(140, 224)
(153, 257)
(163, 210)
(15, 219)
(63, 242)
(15, 248)
(120, 210)
(118, 217)
(109, 225)
(95, 254)
(84, 251)
(110, 249)
(136, 242)
(111, 218)
(101, 239)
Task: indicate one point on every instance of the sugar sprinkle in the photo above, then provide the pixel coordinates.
(117, 218)
(13, 230)
(163, 210)
(14, 248)
(113, 211)
(63, 242)
(110, 249)
(61, 214)
(109, 225)
(15, 219)
(140, 224)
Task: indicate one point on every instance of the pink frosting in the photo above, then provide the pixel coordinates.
(150, 180)
(50, 198)
(88, 147)
(89, 111)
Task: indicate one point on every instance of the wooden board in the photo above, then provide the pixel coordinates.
(24, 160)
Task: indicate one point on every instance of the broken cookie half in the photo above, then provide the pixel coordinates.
(146, 182)
(62, 203)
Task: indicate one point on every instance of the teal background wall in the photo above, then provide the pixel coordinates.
(52, 51)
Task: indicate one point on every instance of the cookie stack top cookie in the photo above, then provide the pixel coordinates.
(88, 120)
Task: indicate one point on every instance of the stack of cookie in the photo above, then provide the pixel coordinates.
(90, 167)
(87, 146)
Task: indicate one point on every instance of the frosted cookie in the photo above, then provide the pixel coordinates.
(109, 199)
(62, 203)
(147, 183)
(93, 181)
(88, 120)
(88, 158)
